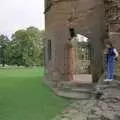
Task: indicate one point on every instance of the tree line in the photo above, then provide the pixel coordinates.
(25, 48)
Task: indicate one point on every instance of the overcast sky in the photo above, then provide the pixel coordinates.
(18, 14)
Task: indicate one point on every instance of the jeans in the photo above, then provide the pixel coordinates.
(111, 68)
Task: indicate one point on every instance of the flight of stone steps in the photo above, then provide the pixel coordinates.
(76, 91)
(85, 91)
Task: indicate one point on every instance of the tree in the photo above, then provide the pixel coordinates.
(4, 41)
(37, 38)
(26, 47)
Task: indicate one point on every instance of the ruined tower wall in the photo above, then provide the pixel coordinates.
(87, 19)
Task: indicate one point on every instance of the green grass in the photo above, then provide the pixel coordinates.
(23, 96)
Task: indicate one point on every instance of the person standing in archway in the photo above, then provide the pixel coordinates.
(112, 57)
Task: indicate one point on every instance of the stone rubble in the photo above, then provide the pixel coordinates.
(105, 108)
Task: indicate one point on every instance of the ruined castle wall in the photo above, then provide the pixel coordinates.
(88, 20)
(112, 18)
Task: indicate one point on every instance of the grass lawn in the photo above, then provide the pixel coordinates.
(23, 96)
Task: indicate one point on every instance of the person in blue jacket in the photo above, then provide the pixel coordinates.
(112, 56)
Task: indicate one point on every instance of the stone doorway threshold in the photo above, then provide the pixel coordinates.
(82, 79)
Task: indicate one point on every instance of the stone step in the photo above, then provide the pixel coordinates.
(85, 85)
(74, 95)
(72, 85)
(78, 90)
(82, 90)
(93, 117)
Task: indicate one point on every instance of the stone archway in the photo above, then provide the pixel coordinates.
(79, 59)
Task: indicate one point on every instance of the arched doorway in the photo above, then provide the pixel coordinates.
(83, 55)
(79, 59)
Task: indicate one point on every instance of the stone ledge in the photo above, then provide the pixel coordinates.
(74, 95)
(71, 93)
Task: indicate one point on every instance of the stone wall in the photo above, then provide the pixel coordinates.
(112, 18)
(83, 67)
(87, 19)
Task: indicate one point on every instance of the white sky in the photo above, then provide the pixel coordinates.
(18, 14)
